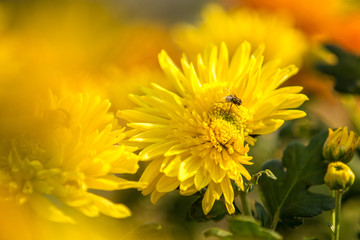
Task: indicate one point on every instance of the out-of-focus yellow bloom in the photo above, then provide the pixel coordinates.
(74, 44)
(339, 176)
(195, 137)
(281, 39)
(19, 224)
(119, 83)
(137, 44)
(340, 145)
(70, 144)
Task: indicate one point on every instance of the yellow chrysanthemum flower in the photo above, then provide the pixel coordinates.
(68, 146)
(196, 137)
(278, 34)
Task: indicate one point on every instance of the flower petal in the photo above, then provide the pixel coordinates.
(111, 183)
(188, 167)
(109, 208)
(167, 184)
(44, 208)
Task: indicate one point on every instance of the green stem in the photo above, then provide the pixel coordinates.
(332, 194)
(275, 220)
(245, 203)
(338, 195)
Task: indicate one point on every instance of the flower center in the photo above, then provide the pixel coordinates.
(228, 126)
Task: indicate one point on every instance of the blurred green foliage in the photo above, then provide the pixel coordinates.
(346, 72)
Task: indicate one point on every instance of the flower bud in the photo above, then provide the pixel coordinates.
(340, 145)
(339, 176)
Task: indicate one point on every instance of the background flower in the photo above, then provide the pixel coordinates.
(325, 21)
(67, 146)
(244, 24)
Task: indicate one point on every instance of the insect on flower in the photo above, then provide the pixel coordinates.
(233, 99)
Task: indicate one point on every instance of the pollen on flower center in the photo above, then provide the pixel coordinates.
(227, 126)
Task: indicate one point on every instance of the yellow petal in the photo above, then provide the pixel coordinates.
(269, 126)
(212, 193)
(189, 191)
(230, 207)
(208, 200)
(167, 184)
(78, 202)
(44, 208)
(227, 190)
(201, 180)
(127, 163)
(146, 126)
(177, 149)
(217, 173)
(154, 135)
(151, 171)
(110, 183)
(188, 167)
(151, 186)
(155, 196)
(156, 149)
(187, 184)
(244, 172)
(137, 116)
(96, 167)
(239, 61)
(288, 114)
(89, 210)
(172, 168)
(109, 208)
(168, 96)
(173, 73)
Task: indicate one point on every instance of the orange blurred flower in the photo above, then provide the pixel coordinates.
(323, 20)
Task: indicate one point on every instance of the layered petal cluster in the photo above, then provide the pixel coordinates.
(69, 145)
(197, 136)
(233, 27)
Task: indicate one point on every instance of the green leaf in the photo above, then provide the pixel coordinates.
(244, 228)
(262, 215)
(196, 212)
(219, 233)
(346, 72)
(288, 198)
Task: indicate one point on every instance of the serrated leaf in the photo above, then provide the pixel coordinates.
(346, 72)
(196, 212)
(262, 215)
(288, 198)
